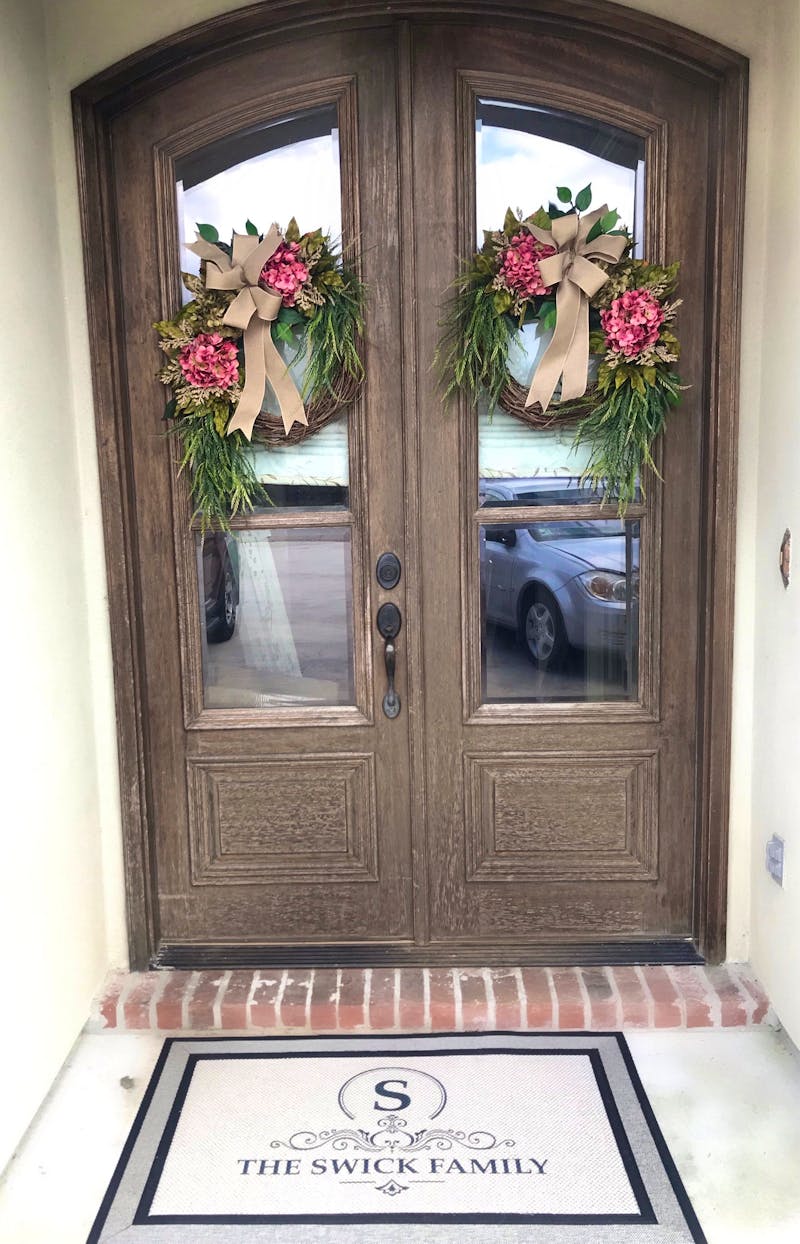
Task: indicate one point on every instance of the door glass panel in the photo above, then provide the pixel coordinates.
(276, 617)
(522, 154)
(560, 610)
(272, 172)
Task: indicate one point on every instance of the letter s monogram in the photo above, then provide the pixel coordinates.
(383, 1090)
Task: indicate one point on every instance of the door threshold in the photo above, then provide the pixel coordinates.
(401, 954)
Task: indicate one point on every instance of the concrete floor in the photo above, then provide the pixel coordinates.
(728, 1103)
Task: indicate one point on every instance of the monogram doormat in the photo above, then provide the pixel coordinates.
(496, 1138)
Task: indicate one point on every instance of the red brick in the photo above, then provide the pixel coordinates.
(734, 1003)
(351, 998)
(474, 1009)
(538, 999)
(507, 1002)
(265, 995)
(201, 1004)
(382, 999)
(442, 1003)
(571, 1011)
(169, 1007)
(695, 995)
(112, 992)
(757, 994)
(635, 1001)
(233, 1005)
(603, 1010)
(666, 1005)
(324, 996)
(412, 999)
(294, 1000)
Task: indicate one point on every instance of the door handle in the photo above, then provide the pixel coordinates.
(389, 621)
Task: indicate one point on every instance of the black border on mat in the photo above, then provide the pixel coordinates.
(647, 1111)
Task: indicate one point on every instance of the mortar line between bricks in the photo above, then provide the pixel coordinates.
(650, 1001)
(307, 1011)
(367, 995)
(523, 998)
(396, 998)
(551, 985)
(584, 992)
(491, 1001)
(188, 994)
(279, 998)
(458, 1006)
(715, 1002)
(124, 994)
(216, 1010)
(676, 985)
(157, 995)
(744, 993)
(248, 1005)
(619, 1008)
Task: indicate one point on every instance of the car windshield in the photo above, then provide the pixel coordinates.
(577, 529)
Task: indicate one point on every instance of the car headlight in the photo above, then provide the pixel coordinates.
(605, 585)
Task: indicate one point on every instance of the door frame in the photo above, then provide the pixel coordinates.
(95, 105)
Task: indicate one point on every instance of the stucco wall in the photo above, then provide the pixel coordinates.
(66, 701)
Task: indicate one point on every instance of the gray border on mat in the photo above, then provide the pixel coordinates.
(676, 1222)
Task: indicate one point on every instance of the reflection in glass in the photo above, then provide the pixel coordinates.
(271, 172)
(560, 610)
(277, 617)
(285, 168)
(522, 154)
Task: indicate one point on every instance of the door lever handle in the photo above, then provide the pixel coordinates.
(389, 621)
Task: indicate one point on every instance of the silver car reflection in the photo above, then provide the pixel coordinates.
(559, 583)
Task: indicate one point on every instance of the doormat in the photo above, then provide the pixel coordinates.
(490, 1137)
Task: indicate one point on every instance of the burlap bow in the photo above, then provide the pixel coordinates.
(253, 310)
(577, 280)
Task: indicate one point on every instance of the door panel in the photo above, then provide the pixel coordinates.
(279, 789)
(571, 814)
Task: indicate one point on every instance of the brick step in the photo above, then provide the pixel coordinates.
(431, 999)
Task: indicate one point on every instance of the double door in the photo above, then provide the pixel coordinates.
(536, 792)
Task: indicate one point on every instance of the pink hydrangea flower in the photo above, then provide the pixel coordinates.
(210, 362)
(284, 272)
(632, 322)
(519, 265)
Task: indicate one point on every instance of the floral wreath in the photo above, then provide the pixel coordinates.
(222, 350)
(571, 271)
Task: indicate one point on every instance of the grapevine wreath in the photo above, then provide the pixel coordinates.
(572, 271)
(222, 352)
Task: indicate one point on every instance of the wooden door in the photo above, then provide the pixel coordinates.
(565, 788)
(553, 787)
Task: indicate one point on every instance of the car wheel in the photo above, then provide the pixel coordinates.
(225, 619)
(542, 629)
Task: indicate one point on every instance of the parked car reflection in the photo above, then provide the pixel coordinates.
(559, 583)
(220, 585)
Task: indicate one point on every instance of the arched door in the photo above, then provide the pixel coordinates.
(544, 791)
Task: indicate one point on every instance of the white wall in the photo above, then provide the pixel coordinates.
(52, 925)
(84, 36)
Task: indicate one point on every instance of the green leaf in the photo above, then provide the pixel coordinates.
(510, 222)
(292, 231)
(283, 332)
(649, 374)
(555, 211)
(547, 315)
(251, 229)
(290, 315)
(608, 221)
(564, 194)
(501, 301)
(583, 198)
(541, 219)
(594, 232)
(170, 408)
(208, 233)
